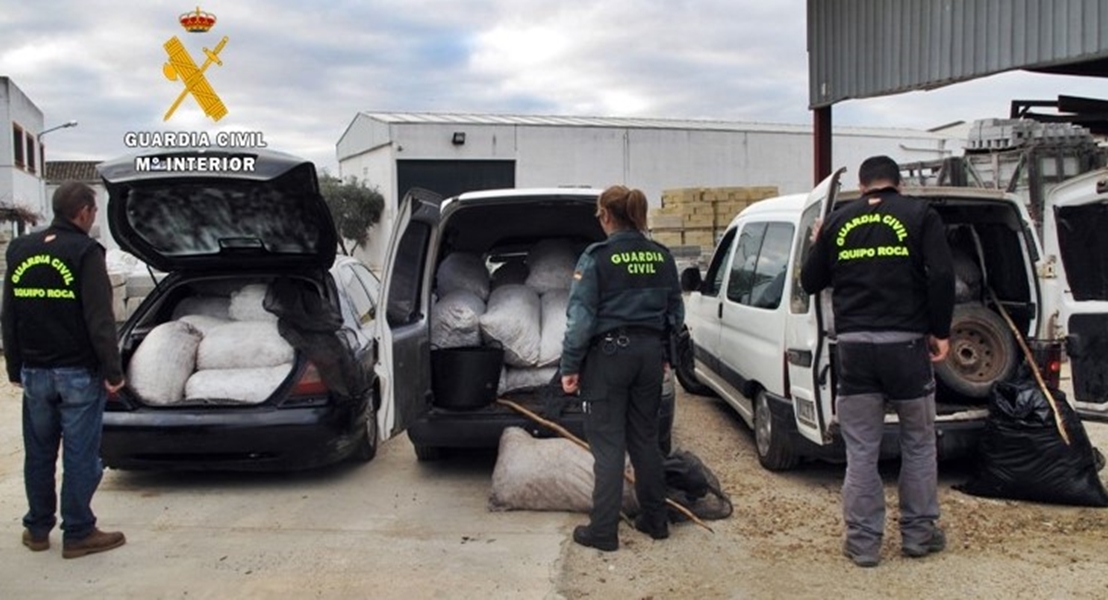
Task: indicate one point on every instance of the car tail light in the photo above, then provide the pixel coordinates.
(309, 384)
(116, 402)
(1048, 357)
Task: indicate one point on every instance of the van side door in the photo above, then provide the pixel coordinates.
(807, 325)
(704, 311)
(404, 362)
(750, 336)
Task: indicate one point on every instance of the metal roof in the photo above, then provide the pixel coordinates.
(866, 48)
(58, 171)
(411, 118)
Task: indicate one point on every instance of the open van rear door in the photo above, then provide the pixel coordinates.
(1075, 284)
(807, 358)
(404, 364)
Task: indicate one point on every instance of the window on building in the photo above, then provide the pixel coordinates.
(17, 145)
(30, 152)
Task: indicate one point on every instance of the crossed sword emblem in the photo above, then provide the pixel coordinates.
(181, 66)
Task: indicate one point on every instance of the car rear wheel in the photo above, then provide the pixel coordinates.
(367, 446)
(982, 351)
(775, 451)
(686, 373)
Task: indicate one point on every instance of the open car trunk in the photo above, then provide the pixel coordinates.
(209, 342)
(501, 286)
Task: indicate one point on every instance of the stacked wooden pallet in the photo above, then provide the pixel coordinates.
(699, 216)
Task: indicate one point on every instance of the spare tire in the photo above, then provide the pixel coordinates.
(982, 351)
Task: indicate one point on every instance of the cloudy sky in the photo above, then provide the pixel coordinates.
(300, 71)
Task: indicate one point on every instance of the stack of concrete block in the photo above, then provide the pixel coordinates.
(119, 296)
(1007, 134)
(137, 286)
(699, 216)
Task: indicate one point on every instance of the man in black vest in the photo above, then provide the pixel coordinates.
(886, 257)
(61, 348)
(625, 295)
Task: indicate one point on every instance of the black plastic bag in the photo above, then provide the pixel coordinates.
(313, 326)
(1022, 455)
(693, 485)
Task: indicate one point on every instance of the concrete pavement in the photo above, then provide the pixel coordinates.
(394, 528)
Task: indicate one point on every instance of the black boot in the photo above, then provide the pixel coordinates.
(585, 536)
(655, 528)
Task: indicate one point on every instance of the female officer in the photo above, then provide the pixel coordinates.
(624, 298)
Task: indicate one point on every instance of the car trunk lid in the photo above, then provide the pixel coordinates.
(272, 216)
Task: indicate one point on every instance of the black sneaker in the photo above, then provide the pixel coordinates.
(937, 543)
(584, 536)
(654, 531)
(861, 559)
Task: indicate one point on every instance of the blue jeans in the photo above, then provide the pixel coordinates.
(62, 406)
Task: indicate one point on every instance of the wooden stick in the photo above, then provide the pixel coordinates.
(1034, 367)
(562, 431)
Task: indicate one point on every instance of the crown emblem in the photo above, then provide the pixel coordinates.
(197, 22)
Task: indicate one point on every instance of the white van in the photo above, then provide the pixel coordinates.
(766, 347)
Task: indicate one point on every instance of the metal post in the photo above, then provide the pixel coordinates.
(821, 122)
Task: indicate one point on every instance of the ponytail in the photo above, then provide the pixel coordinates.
(626, 206)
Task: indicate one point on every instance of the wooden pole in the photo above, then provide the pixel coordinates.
(1034, 367)
(562, 431)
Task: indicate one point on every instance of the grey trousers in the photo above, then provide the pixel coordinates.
(862, 418)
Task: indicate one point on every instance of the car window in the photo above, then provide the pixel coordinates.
(740, 284)
(800, 300)
(360, 300)
(773, 262)
(407, 275)
(713, 279)
(369, 281)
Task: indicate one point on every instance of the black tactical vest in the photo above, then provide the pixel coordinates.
(635, 276)
(44, 276)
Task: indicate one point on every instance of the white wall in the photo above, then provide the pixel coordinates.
(17, 186)
(100, 229)
(652, 159)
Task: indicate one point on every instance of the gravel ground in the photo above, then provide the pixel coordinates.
(783, 540)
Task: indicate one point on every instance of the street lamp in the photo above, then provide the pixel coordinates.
(57, 127)
(42, 159)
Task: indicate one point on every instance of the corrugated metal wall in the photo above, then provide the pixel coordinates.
(864, 48)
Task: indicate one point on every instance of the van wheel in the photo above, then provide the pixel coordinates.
(427, 453)
(982, 351)
(367, 445)
(684, 369)
(775, 451)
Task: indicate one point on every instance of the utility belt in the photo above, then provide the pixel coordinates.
(622, 337)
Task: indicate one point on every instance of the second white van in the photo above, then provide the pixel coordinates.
(756, 339)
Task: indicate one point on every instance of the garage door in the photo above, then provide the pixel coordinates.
(452, 177)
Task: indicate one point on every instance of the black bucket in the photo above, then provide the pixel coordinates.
(465, 377)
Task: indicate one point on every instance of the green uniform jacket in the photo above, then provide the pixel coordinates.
(624, 281)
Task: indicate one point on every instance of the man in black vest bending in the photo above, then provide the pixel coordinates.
(61, 348)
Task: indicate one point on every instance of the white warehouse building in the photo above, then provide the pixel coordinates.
(453, 153)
